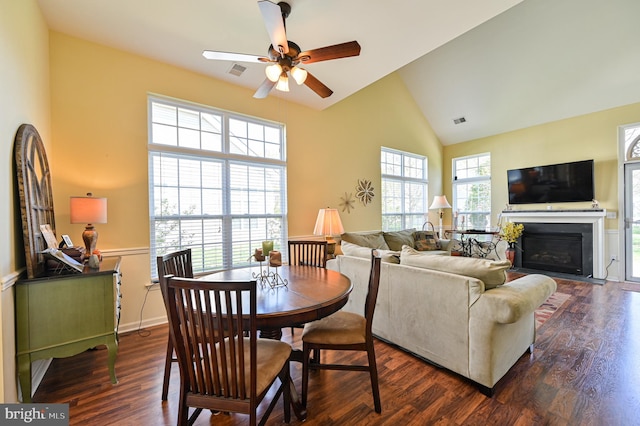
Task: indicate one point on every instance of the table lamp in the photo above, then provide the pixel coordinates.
(440, 202)
(89, 210)
(328, 224)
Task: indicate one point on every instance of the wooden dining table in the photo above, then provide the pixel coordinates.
(310, 293)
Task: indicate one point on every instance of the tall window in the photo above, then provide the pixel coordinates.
(472, 191)
(404, 190)
(217, 184)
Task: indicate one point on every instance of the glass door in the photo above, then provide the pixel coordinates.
(632, 221)
(629, 145)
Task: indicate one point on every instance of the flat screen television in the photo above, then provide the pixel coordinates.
(553, 183)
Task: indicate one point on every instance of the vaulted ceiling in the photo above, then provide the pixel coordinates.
(500, 64)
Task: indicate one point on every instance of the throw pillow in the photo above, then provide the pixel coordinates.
(366, 239)
(426, 240)
(354, 250)
(492, 272)
(396, 239)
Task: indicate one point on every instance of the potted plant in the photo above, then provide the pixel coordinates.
(510, 232)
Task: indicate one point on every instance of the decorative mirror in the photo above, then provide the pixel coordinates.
(36, 198)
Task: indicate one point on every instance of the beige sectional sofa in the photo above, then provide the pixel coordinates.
(390, 243)
(455, 312)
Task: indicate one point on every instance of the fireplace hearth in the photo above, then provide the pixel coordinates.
(557, 247)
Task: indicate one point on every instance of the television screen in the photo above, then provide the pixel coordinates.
(554, 183)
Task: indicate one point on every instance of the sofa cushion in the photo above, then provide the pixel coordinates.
(366, 239)
(349, 249)
(492, 272)
(426, 240)
(396, 239)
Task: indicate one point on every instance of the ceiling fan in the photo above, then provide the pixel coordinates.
(284, 56)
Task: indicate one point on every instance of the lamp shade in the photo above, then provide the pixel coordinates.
(273, 72)
(299, 74)
(328, 223)
(283, 83)
(440, 202)
(88, 209)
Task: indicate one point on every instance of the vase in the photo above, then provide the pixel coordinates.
(511, 254)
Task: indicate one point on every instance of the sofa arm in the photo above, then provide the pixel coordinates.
(508, 303)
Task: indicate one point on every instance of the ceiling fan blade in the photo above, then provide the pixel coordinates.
(236, 57)
(342, 50)
(264, 89)
(274, 22)
(317, 86)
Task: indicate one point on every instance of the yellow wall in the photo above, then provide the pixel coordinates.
(99, 126)
(591, 136)
(350, 135)
(99, 136)
(24, 98)
(24, 88)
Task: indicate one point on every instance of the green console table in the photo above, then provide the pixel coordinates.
(59, 316)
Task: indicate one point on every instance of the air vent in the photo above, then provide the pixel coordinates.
(459, 120)
(237, 70)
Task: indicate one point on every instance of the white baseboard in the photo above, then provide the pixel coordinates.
(38, 370)
(151, 322)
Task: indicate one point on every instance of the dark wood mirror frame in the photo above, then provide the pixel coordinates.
(36, 197)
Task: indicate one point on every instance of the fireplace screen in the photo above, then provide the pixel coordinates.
(556, 252)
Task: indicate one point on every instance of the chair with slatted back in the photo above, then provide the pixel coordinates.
(178, 264)
(224, 371)
(344, 331)
(309, 253)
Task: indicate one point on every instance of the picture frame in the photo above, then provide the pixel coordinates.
(67, 240)
(49, 236)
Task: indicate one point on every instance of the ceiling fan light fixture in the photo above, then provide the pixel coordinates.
(283, 83)
(273, 72)
(299, 74)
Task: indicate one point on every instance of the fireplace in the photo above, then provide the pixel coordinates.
(557, 247)
(593, 237)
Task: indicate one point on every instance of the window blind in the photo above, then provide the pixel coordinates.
(217, 184)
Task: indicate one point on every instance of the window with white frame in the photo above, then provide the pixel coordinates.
(217, 184)
(472, 191)
(404, 189)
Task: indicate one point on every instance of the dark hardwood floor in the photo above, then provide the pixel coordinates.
(585, 370)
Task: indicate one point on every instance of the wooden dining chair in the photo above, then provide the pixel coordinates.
(179, 264)
(224, 371)
(307, 253)
(344, 331)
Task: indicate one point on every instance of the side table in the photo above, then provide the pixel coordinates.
(472, 247)
(63, 315)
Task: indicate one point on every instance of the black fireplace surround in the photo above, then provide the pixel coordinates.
(556, 247)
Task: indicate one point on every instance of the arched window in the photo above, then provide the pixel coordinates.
(633, 147)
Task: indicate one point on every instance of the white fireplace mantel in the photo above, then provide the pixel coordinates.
(593, 216)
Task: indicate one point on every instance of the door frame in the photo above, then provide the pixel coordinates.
(623, 159)
(626, 237)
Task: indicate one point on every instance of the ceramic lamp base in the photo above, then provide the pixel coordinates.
(90, 238)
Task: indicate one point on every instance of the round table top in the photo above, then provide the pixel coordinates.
(311, 293)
